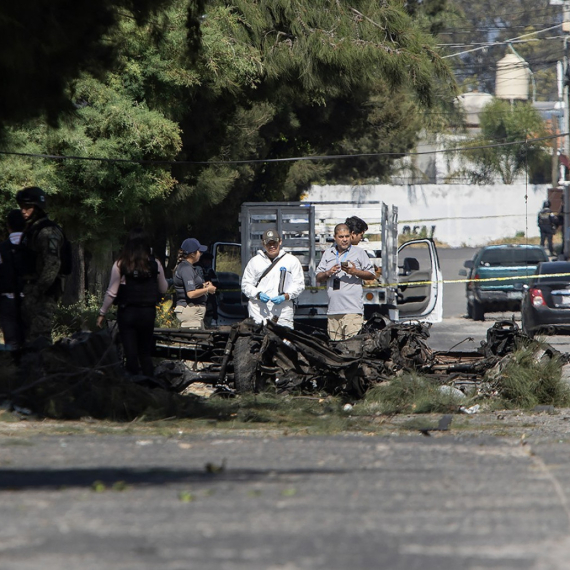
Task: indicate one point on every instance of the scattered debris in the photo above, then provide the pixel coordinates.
(443, 425)
(82, 376)
(215, 468)
(471, 410)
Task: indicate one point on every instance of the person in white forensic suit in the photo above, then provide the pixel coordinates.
(271, 281)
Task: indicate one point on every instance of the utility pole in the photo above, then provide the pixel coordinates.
(564, 182)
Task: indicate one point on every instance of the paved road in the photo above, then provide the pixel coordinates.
(401, 501)
(457, 328)
(334, 503)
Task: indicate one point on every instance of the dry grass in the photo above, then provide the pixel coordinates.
(526, 381)
(409, 393)
(521, 239)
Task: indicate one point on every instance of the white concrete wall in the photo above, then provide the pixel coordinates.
(463, 214)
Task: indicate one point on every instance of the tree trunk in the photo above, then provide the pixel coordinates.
(98, 272)
(74, 290)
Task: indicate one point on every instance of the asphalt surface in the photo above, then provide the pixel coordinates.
(282, 502)
(122, 499)
(457, 332)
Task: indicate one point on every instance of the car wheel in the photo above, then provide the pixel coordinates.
(245, 366)
(478, 311)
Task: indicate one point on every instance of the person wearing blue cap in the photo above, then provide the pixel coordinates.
(191, 289)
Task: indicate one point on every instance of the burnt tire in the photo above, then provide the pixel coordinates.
(245, 366)
(478, 311)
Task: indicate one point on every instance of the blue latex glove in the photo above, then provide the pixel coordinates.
(264, 297)
(278, 300)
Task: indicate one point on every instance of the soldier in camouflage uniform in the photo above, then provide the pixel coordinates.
(41, 254)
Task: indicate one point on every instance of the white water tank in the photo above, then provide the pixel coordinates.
(472, 104)
(512, 78)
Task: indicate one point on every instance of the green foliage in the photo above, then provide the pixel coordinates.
(82, 316)
(77, 317)
(500, 152)
(268, 79)
(333, 78)
(434, 15)
(45, 44)
(185, 497)
(527, 381)
(410, 393)
(165, 316)
(96, 199)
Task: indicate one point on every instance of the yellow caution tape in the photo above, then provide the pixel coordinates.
(443, 281)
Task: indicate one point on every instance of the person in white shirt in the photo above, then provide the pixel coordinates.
(343, 267)
(271, 281)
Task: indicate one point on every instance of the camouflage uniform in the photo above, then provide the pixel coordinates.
(42, 282)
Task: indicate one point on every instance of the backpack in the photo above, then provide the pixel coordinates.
(66, 252)
(546, 220)
(139, 289)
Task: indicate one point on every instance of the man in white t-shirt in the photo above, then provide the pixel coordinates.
(343, 267)
(271, 280)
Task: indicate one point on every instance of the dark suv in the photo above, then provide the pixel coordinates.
(497, 274)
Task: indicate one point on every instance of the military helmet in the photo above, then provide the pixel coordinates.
(33, 196)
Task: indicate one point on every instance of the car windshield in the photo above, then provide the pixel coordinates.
(554, 273)
(512, 257)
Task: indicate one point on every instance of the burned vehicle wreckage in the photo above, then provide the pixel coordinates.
(251, 358)
(82, 376)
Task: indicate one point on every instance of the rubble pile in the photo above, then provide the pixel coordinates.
(83, 375)
(292, 360)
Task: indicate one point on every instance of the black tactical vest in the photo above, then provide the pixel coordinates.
(140, 288)
(28, 246)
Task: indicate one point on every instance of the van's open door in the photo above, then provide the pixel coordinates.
(228, 307)
(420, 284)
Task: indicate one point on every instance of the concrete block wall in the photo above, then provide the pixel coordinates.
(463, 214)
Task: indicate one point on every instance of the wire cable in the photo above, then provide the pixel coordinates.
(505, 42)
(277, 160)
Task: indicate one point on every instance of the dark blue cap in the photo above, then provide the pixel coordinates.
(192, 245)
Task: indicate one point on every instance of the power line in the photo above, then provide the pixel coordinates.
(277, 160)
(504, 42)
(487, 44)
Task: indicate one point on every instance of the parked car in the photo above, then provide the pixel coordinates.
(545, 307)
(497, 274)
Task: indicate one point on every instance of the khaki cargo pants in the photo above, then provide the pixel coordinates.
(191, 317)
(341, 327)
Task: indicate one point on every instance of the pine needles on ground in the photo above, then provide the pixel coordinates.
(526, 381)
(411, 393)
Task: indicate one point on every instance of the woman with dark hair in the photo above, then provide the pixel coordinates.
(191, 288)
(136, 284)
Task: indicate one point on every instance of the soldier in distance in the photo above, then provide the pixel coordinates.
(547, 224)
(41, 245)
